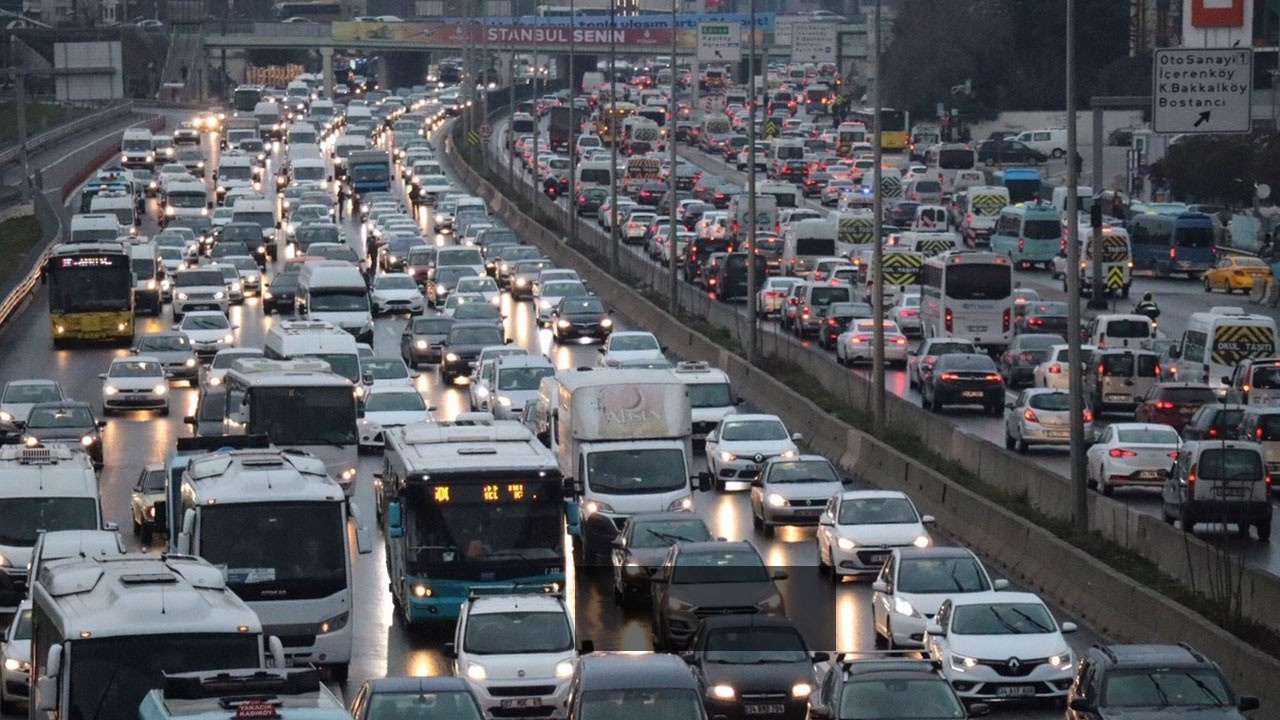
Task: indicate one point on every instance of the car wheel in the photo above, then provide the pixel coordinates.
(1022, 446)
(1009, 442)
(1105, 487)
(1264, 530)
(1207, 287)
(756, 521)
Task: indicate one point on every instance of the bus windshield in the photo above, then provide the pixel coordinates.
(90, 289)
(22, 519)
(306, 416)
(277, 550)
(956, 159)
(446, 531)
(979, 282)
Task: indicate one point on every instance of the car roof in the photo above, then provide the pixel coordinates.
(870, 494)
(716, 622)
(988, 597)
(623, 671)
(1143, 654)
(416, 684)
(496, 604)
(663, 516)
(718, 546)
(31, 381)
(752, 417)
(938, 552)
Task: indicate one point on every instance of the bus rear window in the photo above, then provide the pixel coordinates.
(1194, 237)
(1042, 229)
(815, 246)
(979, 282)
(1128, 329)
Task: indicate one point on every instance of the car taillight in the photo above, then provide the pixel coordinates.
(1007, 314)
(1022, 244)
(948, 319)
(1173, 252)
(1258, 433)
(832, 321)
(1030, 415)
(1088, 415)
(1121, 453)
(910, 313)
(1213, 432)
(1055, 369)
(862, 338)
(1164, 405)
(900, 340)
(995, 377)
(1035, 321)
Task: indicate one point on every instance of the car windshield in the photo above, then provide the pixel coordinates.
(1039, 342)
(439, 705)
(407, 401)
(451, 274)
(900, 699)
(1053, 402)
(876, 511)
(394, 281)
(656, 704)
(135, 368)
(213, 321)
(1188, 395)
(60, 417)
(946, 348)
(523, 378)
(928, 576)
(477, 285)
(633, 342)
(512, 632)
(476, 311)
(665, 533)
(432, 325)
(564, 289)
(475, 336)
(710, 395)
(1163, 687)
(1002, 619)
(582, 306)
(32, 393)
(1149, 436)
(385, 368)
(801, 471)
(755, 646)
(721, 566)
(198, 278)
(761, 430)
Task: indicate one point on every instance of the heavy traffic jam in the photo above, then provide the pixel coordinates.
(382, 282)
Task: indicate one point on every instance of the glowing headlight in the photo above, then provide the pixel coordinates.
(771, 605)
(16, 665)
(421, 591)
(504, 401)
(6, 416)
(4, 561)
(521, 282)
(1062, 661)
(789, 453)
(421, 344)
(903, 607)
(183, 296)
(88, 440)
(594, 506)
(801, 690)
(722, 692)
(476, 671)
(962, 663)
(544, 304)
(236, 286)
(31, 441)
(564, 669)
(228, 338)
(563, 324)
(334, 623)
(215, 381)
(160, 389)
(682, 503)
(921, 542)
(151, 284)
(606, 323)
(776, 500)
(219, 295)
(451, 357)
(726, 456)
(110, 390)
(845, 544)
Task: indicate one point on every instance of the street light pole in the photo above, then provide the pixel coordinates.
(753, 305)
(672, 287)
(573, 124)
(613, 136)
(877, 249)
(1080, 514)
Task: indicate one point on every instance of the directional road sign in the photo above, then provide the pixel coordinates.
(719, 42)
(1202, 90)
(813, 42)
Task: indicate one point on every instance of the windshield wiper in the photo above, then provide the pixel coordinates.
(1204, 688)
(1008, 626)
(1164, 697)
(1030, 619)
(669, 537)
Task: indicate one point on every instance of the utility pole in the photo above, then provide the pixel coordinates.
(573, 124)
(877, 251)
(511, 83)
(20, 107)
(613, 136)
(753, 305)
(1080, 514)
(672, 112)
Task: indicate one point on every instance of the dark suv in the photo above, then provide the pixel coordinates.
(886, 687)
(1134, 681)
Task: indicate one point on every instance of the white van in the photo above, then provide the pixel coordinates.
(137, 148)
(302, 133)
(984, 205)
(1109, 331)
(263, 214)
(186, 199)
(335, 291)
(1215, 342)
(270, 117)
(710, 396)
(1050, 141)
(94, 227)
(147, 274)
(235, 170)
(805, 242)
(122, 207)
(314, 339)
(593, 173)
(1084, 198)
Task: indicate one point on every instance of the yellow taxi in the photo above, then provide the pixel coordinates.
(1236, 272)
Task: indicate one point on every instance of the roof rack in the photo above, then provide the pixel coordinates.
(241, 685)
(846, 658)
(535, 589)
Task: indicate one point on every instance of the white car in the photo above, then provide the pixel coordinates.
(1052, 372)
(631, 345)
(981, 639)
(387, 407)
(450, 306)
(15, 678)
(213, 374)
(135, 382)
(505, 384)
(394, 293)
(792, 491)
(739, 446)
(482, 285)
(20, 395)
(547, 296)
(914, 582)
(1128, 454)
(773, 293)
(384, 372)
(1041, 416)
(514, 648)
(906, 313)
(858, 529)
(856, 342)
(208, 330)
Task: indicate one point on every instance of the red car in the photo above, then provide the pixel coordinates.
(1173, 403)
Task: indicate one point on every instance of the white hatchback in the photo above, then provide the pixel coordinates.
(632, 345)
(739, 446)
(208, 330)
(135, 382)
(859, 528)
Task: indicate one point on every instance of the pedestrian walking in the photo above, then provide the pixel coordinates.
(342, 200)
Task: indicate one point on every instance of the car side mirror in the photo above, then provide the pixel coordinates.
(880, 586)
(928, 520)
(450, 650)
(935, 629)
(1069, 627)
(780, 575)
(189, 419)
(796, 437)
(102, 376)
(101, 424)
(1000, 584)
(586, 648)
(1247, 703)
(1226, 379)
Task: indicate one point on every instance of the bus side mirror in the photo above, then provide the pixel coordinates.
(47, 684)
(364, 535)
(188, 529)
(395, 527)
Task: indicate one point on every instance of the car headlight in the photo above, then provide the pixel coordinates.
(160, 389)
(476, 671)
(683, 503)
(503, 401)
(521, 282)
(451, 357)
(31, 441)
(151, 284)
(963, 663)
(564, 669)
(335, 623)
(789, 453)
(544, 304)
(6, 416)
(801, 690)
(110, 390)
(421, 344)
(771, 605)
(845, 543)
(563, 323)
(903, 607)
(722, 692)
(726, 456)
(88, 440)
(776, 500)
(1062, 661)
(183, 296)
(4, 561)
(236, 287)
(921, 541)
(219, 295)
(607, 322)
(595, 506)
(16, 665)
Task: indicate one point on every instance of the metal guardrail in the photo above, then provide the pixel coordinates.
(19, 292)
(44, 139)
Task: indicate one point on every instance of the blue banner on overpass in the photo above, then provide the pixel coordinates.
(764, 21)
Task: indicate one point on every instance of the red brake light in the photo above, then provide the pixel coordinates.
(1164, 405)
(1030, 415)
(950, 376)
(949, 318)
(995, 377)
(1088, 415)
(1007, 314)
(1121, 453)
(1055, 369)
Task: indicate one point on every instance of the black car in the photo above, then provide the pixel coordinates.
(68, 423)
(1043, 317)
(697, 254)
(1000, 152)
(903, 213)
(463, 343)
(700, 579)
(886, 687)
(584, 318)
(964, 379)
(626, 685)
(1026, 351)
(693, 212)
(733, 146)
(211, 410)
(705, 188)
(686, 177)
(752, 665)
(834, 319)
(278, 296)
(793, 171)
(731, 276)
(441, 283)
(652, 194)
(393, 698)
(1214, 421)
(815, 183)
(422, 337)
(589, 200)
(723, 193)
(642, 545)
(1152, 681)
(394, 254)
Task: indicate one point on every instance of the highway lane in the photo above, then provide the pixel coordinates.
(1179, 298)
(834, 619)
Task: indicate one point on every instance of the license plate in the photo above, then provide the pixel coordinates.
(1149, 475)
(977, 328)
(877, 558)
(1016, 691)
(521, 702)
(812, 512)
(1229, 492)
(971, 393)
(770, 709)
(1059, 433)
(1117, 396)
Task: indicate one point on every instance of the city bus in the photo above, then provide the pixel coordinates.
(105, 631)
(90, 293)
(318, 11)
(466, 504)
(299, 405)
(967, 294)
(609, 121)
(246, 97)
(278, 524)
(1180, 242)
(946, 160)
(1028, 233)
(893, 127)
